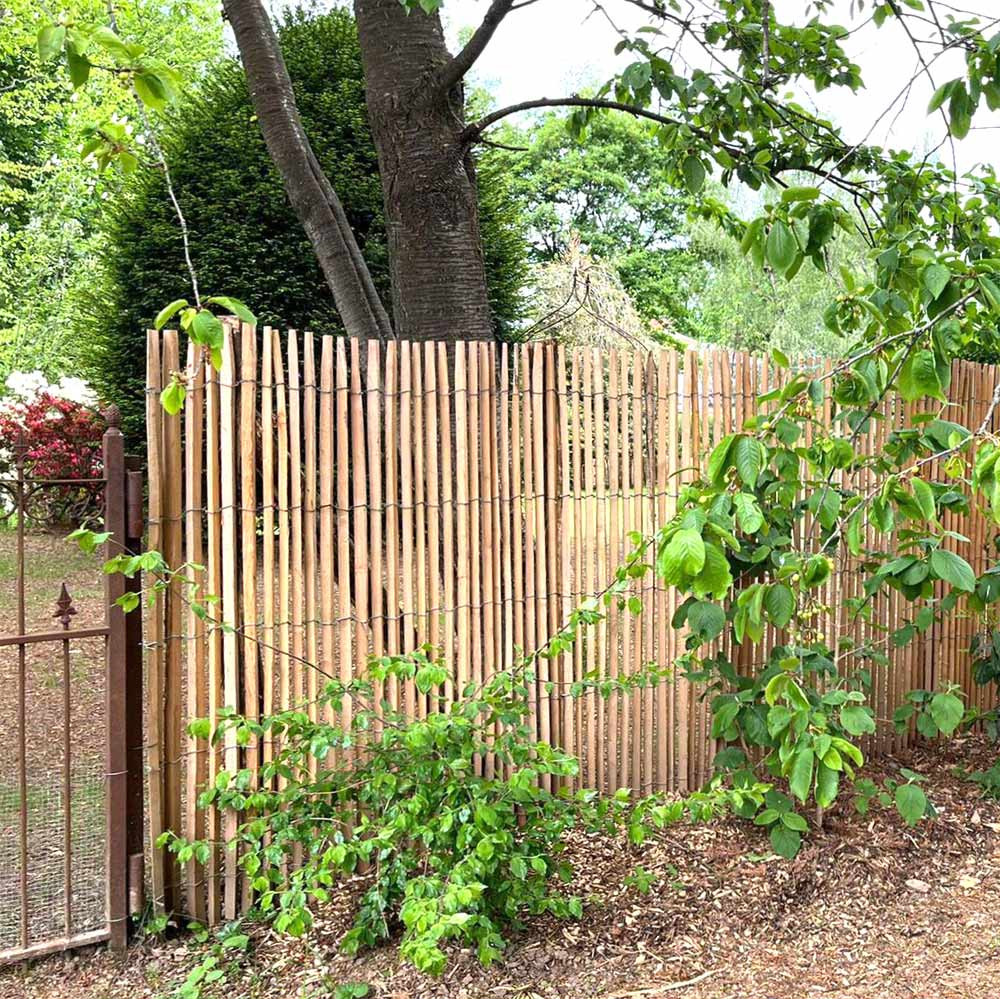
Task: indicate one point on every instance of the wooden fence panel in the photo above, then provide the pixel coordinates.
(354, 499)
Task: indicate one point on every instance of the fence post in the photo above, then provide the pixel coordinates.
(134, 529)
(116, 680)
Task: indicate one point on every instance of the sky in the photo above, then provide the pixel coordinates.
(555, 47)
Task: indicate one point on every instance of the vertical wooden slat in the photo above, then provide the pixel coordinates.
(604, 777)
(230, 601)
(447, 512)
(518, 502)
(540, 535)
(641, 743)
(408, 631)
(419, 509)
(248, 528)
(285, 690)
(392, 509)
(619, 545)
(496, 457)
(432, 447)
(373, 378)
(617, 709)
(505, 460)
(579, 547)
(664, 737)
(359, 518)
(197, 700)
(485, 451)
(154, 620)
(213, 562)
(297, 577)
(590, 374)
(475, 516)
(267, 635)
(309, 431)
(551, 446)
(529, 519)
(567, 735)
(327, 552)
(343, 463)
(173, 549)
(464, 617)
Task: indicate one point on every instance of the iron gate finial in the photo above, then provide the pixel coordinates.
(64, 607)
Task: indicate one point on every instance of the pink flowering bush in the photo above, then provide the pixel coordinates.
(61, 439)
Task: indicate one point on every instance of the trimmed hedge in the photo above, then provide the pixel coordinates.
(245, 238)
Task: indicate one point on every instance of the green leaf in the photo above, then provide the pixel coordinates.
(936, 278)
(684, 555)
(719, 460)
(800, 779)
(911, 803)
(168, 311)
(748, 456)
(827, 783)
(694, 173)
(919, 377)
(172, 397)
(794, 821)
(781, 247)
(779, 602)
(151, 90)
(206, 329)
(748, 512)
(947, 711)
(79, 68)
(857, 720)
(235, 306)
(954, 569)
(706, 619)
(50, 41)
(791, 194)
(715, 578)
(784, 841)
(110, 42)
(924, 496)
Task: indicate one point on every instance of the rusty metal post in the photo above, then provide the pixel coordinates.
(116, 680)
(20, 448)
(135, 523)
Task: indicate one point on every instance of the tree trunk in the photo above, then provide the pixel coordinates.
(428, 179)
(312, 196)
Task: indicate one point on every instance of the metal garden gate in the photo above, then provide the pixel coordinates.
(71, 749)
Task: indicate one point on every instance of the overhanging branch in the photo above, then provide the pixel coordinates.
(455, 71)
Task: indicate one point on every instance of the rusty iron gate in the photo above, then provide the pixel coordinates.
(71, 824)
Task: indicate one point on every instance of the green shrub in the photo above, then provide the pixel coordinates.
(246, 241)
(452, 848)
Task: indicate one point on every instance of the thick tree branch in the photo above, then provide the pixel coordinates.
(455, 71)
(313, 198)
(474, 131)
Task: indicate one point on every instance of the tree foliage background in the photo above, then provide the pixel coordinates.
(51, 201)
(244, 236)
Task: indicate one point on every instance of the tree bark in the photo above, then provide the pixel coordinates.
(312, 196)
(428, 179)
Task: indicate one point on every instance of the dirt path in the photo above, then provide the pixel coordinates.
(868, 908)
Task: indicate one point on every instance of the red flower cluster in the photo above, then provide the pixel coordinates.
(62, 438)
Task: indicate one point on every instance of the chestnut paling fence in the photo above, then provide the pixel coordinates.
(355, 499)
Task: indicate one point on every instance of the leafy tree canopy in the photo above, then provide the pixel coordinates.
(50, 197)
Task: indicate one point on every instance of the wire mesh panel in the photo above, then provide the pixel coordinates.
(59, 633)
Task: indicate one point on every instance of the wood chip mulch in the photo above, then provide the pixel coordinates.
(868, 908)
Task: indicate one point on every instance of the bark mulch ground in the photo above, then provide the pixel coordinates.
(868, 908)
